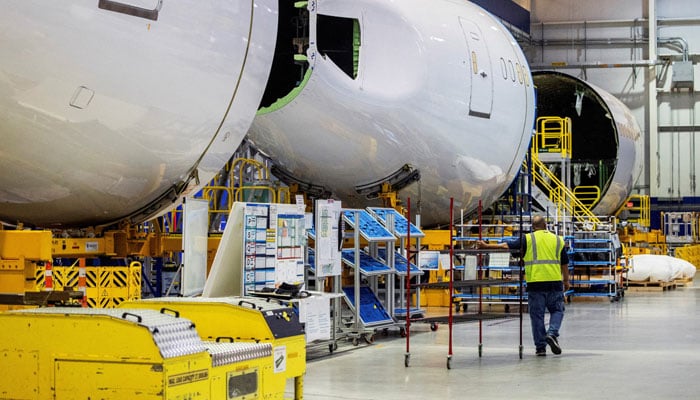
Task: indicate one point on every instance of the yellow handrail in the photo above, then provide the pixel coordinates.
(561, 195)
(242, 163)
(588, 195)
(213, 194)
(639, 207)
(238, 194)
(284, 195)
(553, 136)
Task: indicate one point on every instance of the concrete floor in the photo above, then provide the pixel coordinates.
(645, 347)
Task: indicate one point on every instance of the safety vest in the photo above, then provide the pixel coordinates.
(542, 257)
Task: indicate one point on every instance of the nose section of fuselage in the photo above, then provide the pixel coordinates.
(106, 114)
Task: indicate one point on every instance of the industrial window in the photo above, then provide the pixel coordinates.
(242, 384)
(290, 68)
(339, 39)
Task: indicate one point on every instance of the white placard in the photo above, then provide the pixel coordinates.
(328, 256)
(314, 312)
(429, 260)
(445, 261)
(194, 244)
(280, 359)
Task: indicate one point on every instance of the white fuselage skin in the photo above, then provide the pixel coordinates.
(629, 155)
(102, 113)
(441, 85)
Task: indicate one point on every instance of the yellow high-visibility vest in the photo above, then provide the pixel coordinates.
(542, 257)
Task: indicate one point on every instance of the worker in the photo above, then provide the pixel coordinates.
(547, 277)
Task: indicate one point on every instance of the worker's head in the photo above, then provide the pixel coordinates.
(538, 223)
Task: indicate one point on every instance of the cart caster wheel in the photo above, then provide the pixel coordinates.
(507, 308)
(433, 326)
(385, 332)
(407, 360)
(354, 342)
(449, 362)
(332, 347)
(402, 332)
(464, 308)
(369, 339)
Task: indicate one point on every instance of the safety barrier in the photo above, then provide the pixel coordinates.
(105, 286)
(689, 253)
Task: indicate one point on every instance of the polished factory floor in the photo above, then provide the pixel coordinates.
(645, 347)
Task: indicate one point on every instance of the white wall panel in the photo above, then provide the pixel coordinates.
(677, 8)
(554, 22)
(577, 10)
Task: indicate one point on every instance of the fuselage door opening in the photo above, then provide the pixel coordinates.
(481, 89)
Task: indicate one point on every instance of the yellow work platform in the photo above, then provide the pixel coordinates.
(245, 319)
(71, 353)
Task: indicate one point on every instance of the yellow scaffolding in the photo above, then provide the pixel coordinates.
(553, 136)
(561, 195)
(636, 209)
(588, 195)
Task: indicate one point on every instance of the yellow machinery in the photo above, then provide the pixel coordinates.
(245, 319)
(71, 353)
(20, 254)
(23, 257)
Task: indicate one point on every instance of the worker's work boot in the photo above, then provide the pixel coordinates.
(553, 344)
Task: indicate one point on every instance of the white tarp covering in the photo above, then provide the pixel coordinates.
(659, 268)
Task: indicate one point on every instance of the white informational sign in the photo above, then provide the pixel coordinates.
(280, 358)
(263, 246)
(194, 244)
(328, 256)
(225, 277)
(429, 260)
(314, 312)
(445, 262)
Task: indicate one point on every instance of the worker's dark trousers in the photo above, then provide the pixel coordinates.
(538, 302)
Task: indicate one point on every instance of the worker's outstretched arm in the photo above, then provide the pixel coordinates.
(480, 244)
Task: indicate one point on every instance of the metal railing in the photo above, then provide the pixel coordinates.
(559, 194)
(553, 136)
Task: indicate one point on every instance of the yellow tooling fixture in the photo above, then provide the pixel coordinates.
(71, 353)
(246, 319)
(20, 252)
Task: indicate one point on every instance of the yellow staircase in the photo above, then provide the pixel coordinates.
(559, 194)
(553, 138)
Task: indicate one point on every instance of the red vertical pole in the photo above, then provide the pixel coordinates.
(408, 274)
(479, 263)
(81, 281)
(48, 276)
(449, 320)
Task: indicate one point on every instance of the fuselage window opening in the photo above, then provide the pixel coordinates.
(290, 67)
(339, 39)
(475, 63)
(519, 69)
(504, 68)
(527, 78)
(511, 70)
